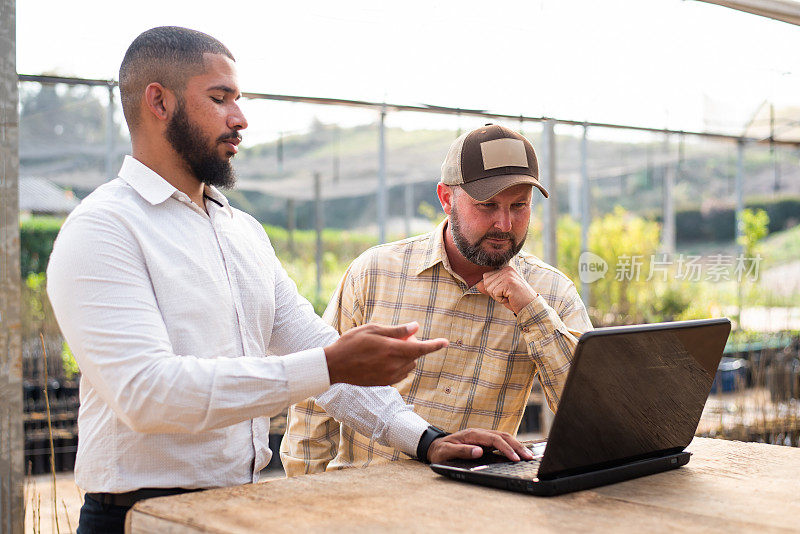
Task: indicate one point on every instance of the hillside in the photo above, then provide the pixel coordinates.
(627, 174)
(63, 139)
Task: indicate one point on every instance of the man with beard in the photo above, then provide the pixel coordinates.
(510, 317)
(188, 332)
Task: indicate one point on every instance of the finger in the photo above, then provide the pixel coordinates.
(495, 285)
(505, 447)
(401, 331)
(449, 451)
(492, 275)
(420, 348)
(521, 450)
(499, 289)
(481, 286)
(492, 438)
(411, 350)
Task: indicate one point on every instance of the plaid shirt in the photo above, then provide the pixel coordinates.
(482, 379)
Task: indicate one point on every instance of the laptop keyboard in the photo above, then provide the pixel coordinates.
(521, 469)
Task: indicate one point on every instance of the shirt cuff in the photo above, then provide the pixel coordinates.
(306, 374)
(406, 430)
(538, 319)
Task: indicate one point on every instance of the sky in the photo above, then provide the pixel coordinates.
(678, 64)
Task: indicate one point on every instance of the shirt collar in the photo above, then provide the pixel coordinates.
(145, 181)
(435, 253)
(213, 193)
(155, 189)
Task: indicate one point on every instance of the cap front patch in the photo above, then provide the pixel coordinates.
(503, 153)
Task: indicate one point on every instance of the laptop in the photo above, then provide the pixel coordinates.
(630, 406)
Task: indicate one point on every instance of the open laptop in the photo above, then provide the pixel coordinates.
(630, 406)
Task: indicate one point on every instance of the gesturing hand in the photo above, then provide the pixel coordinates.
(507, 287)
(468, 444)
(377, 355)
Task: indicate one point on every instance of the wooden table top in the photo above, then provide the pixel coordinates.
(728, 486)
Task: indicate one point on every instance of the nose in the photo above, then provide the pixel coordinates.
(236, 119)
(503, 220)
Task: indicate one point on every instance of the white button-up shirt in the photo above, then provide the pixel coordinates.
(190, 335)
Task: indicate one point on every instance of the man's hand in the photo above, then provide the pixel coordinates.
(507, 287)
(376, 355)
(468, 443)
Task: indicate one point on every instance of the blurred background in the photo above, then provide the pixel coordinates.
(668, 133)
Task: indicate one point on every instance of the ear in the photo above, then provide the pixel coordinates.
(159, 101)
(445, 193)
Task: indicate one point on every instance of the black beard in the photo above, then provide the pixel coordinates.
(190, 143)
(475, 253)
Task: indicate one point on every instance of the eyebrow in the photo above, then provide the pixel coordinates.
(225, 89)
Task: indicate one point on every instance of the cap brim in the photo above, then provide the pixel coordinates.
(486, 188)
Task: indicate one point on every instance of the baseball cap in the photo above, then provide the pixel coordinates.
(488, 160)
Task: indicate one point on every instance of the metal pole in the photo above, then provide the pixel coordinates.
(290, 224)
(776, 176)
(382, 203)
(110, 134)
(11, 430)
(586, 217)
(739, 192)
(549, 218)
(336, 155)
(668, 230)
(409, 201)
(318, 223)
(550, 206)
(575, 187)
(739, 223)
(279, 153)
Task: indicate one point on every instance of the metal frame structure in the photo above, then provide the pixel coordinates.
(784, 10)
(549, 156)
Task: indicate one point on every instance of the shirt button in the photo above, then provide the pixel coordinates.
(447, 390)
(458, 343)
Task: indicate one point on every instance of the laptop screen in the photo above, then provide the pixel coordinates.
(632, 392)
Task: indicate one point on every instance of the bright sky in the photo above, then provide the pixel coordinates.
(660, 63)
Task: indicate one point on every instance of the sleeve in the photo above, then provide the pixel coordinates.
(311, 439)
(102, 296)
(380, 412)
(551, 335)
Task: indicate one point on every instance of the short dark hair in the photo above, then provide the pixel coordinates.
(166, 55)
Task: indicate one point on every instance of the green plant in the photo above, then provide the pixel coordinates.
(36, 238)
(782, 247)
(36, 314)
(68, 361)
(754, 227)
(627, 243)
(434, 215)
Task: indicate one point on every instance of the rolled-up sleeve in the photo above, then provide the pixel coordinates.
(551, 337)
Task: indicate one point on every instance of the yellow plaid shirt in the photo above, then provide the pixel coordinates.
(482, 379)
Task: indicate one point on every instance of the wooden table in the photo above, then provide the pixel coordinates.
(727, 486)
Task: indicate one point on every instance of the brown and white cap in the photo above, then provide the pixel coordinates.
(490, 159)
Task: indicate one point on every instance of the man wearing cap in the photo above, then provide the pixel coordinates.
(510, 317)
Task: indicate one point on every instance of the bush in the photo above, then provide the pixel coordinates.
(36, 238)
(36, 313)
(718, 223)
(340, 243)
(624, 295)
